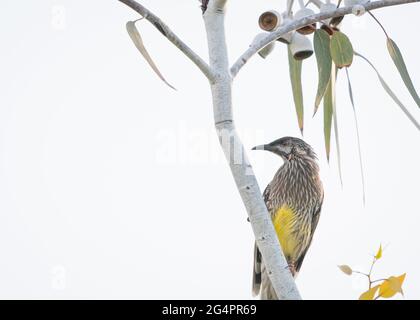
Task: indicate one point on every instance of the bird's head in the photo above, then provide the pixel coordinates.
(289, 148)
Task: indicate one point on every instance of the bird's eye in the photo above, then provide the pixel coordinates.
(301, 151)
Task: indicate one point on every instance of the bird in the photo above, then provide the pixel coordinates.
(294, 199)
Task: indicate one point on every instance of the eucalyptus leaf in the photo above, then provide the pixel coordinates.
(346, 269)
(391, 93)
(328, 114)
(295, 69)
(341, 50)
(324, 62)
(335, 118)
(358, 136)
(138, 42)
(398, 59)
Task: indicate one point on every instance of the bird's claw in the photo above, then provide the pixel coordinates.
(292, 268)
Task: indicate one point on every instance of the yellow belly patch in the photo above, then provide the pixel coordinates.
(283, 222)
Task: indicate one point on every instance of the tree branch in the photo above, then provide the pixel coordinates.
(246, 182)
(172, 37)
(296, 24)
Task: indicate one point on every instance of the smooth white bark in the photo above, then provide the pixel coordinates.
(233, 148)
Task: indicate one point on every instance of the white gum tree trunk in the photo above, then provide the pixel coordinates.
(233, 148)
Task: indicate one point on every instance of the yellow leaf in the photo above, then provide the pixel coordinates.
(385, 291)
(346, 269)
(379, 253)
(397, 282)
(370, 294)
(391, 286)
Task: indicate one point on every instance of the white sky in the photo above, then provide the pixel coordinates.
(94, 205)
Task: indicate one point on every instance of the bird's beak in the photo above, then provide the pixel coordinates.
(266, 147)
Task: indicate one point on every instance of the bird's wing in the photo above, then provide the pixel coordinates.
(316, 214)
(315, 218)
(256, 275)
(267, 198)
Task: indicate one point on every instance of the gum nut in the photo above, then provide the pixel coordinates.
(329, 30)
(358, 10)
(269, 20)
(301, 47)
(336, 21)
(286, 38)
(302, 13)
(265, 52)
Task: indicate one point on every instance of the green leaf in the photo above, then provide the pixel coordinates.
(324, 61)
(337, 137)
(341, 50)
(295, 69)
(357, 134)
(328, 114)
(391, 93)
(396, 55)
(138, 42)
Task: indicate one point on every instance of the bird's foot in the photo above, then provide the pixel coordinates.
(292, 268)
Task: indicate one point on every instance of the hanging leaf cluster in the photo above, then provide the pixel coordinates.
(334, 52)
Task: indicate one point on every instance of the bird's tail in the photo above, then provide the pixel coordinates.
(256, 275)
(266, 290)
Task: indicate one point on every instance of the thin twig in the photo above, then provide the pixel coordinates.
(378, 22)
(371, 267)
(172, 37)
(357, 135)
(289, 7)
(362, 273)
(374, 281)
